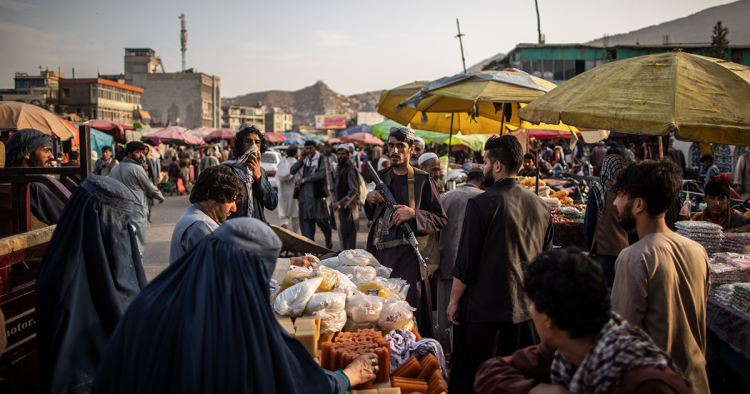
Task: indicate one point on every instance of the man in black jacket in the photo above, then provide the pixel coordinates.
(346, 201)
(310, 177)
(504, 228)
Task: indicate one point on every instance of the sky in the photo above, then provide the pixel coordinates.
(352, 46)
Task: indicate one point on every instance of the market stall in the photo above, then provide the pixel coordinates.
(348, 305)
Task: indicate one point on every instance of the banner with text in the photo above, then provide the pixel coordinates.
(323, 122)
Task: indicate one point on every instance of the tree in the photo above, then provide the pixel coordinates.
(719, 41)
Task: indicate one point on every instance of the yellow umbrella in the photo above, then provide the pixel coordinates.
(16, 116)
(699, 98)
(389, 99)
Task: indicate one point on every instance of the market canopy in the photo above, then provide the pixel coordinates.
(363, 138)
(360, 128)
(115, 129)
(274, 137)
(220, 134)
(699, 98)
(173, 135)
(474, 142)
(16, 116)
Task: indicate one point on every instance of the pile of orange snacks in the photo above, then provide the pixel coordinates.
(562, 195)
(421, 376)
(529, 182)
(348, 346)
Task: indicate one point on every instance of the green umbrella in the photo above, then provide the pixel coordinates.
(474, 142)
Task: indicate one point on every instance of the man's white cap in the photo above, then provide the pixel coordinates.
(426, 156)
(420, 140)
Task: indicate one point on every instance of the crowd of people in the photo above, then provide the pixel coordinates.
(628, 316)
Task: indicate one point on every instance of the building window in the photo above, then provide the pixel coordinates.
(65, 93)
(140, 68)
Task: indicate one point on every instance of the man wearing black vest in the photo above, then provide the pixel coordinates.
(345, 201)
(310, 177)
(418, 204)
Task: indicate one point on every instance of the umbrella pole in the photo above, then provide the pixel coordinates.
(661, 149)
(448, 162)
(538, 153)
(502, 119)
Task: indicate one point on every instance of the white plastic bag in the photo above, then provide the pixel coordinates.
(333, 263)
(363, 308)
(358, 257)
(329, 307)
(358, 273)
(395, 314)
(292, 301)
(345, 284)
(383, 271)
(351, 326)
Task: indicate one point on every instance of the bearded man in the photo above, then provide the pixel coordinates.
(419, 205)
(504, 229)
(430, 163)
(32, 148)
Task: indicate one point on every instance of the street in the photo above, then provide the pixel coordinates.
(164, 216)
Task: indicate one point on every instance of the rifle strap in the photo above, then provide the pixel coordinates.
(410, 184)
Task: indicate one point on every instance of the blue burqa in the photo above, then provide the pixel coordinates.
(205, 325)
(90, 272)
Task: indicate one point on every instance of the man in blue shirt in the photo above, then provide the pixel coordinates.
(712, 171)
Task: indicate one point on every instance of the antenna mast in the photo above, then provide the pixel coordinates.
(538, 23)
(183, 39)
(460, 41)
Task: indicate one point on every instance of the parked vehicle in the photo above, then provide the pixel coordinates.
(270, 161)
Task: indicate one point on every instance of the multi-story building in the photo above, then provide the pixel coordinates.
(189, 99)
(278, 121)
(98, 98)
(39, 89)
(233, 116)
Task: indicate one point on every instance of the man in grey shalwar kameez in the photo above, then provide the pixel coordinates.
(345, 201)
(131, 173)
(310, 178)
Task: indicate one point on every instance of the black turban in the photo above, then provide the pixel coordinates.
(23, 142)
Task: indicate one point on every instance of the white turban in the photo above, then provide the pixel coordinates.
(420, 140)
(427, 156)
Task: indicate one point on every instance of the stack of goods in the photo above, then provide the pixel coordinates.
(722, 294)
(349, 346)
(722, 273)
(420, 376)
(306, 329)
(707, 234)
(740, 261)
(736, 242)
(567, 214)
(741, 298)
(531, 182)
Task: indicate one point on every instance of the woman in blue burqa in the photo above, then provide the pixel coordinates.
(205, 325)
(90, 272)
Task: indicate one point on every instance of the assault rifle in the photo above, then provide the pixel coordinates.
(390, 203)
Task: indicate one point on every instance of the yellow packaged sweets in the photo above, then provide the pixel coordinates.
(373, 289)
(330, 278)
(295, 276)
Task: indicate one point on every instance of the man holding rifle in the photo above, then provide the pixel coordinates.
(418, 206)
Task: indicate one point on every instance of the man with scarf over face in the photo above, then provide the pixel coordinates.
(249, 145)
(104, 165)
(418, 204)
(345, 205)
(586, 348)
(32, 148)
(131, 173)
(310, 178)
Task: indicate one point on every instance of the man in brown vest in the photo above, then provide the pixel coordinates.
(418, 204)
(345, 187)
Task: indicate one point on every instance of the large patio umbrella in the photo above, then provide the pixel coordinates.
(294, 134)
(389, 100)
(363, 138)
(115, 129)
(172, 135)
(220, 134)
(16, 116)
(474, 141)
(201, 132)
(274, 137)
(295, 141)
(698, 98)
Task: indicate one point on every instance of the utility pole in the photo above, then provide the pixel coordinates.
(460, 41)
(183, 39)
(538, 23)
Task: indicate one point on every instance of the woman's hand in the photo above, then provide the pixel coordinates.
(362, 369)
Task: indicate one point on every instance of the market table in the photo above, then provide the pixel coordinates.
(733, 328)
(568, 234)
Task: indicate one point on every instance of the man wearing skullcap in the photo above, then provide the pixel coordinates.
(345, 199)
(32, 148)
(418, 151)
(419, 205)
(430, 163)
(131, 173)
